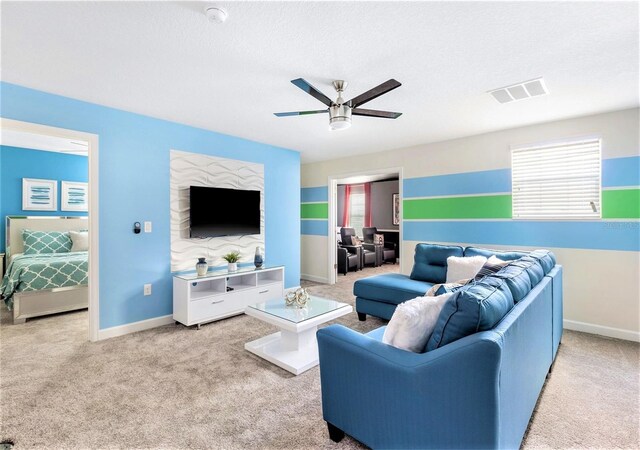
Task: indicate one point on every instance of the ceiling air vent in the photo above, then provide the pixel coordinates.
(520, 91)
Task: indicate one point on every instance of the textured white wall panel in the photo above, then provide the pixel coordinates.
(194, 169)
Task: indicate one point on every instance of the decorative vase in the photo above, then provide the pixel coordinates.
(202, 267)
(232, 267)
(258, 260)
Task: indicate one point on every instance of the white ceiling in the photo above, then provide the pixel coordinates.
(35, 141)
(164, 59)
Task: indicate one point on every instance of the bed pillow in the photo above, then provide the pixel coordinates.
(413, 322)
(36, 242)
(462, 268)
(79, 241)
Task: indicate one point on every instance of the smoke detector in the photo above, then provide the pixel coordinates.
(520, 91)
(216, 14)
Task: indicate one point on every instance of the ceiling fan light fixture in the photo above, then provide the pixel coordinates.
(339, 117)
(339, 123)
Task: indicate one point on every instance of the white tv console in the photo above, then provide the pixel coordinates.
(221, 293)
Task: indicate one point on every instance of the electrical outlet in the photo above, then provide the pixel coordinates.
(147, 227)
(147, 289)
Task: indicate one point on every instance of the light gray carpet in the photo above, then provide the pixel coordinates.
(174, 387)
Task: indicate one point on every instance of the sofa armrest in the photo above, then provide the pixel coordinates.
(370, 247)
(354, 249)
(387, 397)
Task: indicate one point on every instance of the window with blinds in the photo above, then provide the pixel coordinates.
(356, 208)
(557, 181)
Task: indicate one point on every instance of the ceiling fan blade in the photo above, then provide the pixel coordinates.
(301, 113)
(375, 113)
(305, 86)
(376, 92)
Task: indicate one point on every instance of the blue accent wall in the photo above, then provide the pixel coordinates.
(315, 194)
(18, 163)
(617, 172)
(469, 183)
(316, 227)
(134, 187)
(600, 235)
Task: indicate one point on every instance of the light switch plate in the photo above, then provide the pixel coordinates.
(147, 227)
(147, 289)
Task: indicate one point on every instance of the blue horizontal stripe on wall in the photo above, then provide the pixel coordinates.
(588, 235)
(314, 194)
(483, 182)
(618, 172)
(314, 227)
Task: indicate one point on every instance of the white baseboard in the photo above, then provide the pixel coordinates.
(305, 276)
(618, 333)
(135, 326)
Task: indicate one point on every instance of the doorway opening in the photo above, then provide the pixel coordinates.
(49, 223)
(365, 208)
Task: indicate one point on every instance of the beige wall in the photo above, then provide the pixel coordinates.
(601, 287)
(619, 131)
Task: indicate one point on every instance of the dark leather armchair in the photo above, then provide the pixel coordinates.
(348, 261)
(385, 252)
(368, 254)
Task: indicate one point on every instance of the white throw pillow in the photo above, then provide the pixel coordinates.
(413, 322)
(461, 268)
(79, 241)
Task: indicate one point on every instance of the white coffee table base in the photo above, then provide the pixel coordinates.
(294, 347)
(294, 352)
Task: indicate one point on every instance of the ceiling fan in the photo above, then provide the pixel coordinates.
(340, 112)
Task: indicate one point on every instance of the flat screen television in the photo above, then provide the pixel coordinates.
(223, 212)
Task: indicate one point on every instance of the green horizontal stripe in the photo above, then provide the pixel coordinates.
(314, 211)
(477, 207)
(621, 204)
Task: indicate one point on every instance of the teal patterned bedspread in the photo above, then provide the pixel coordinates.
(44, 271)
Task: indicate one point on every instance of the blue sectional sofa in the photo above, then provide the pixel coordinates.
(478, 381)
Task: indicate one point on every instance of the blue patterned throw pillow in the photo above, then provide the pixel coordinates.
(36, 242)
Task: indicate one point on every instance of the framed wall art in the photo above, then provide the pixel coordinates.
(396, 209)
(39, 195)
(75, 196)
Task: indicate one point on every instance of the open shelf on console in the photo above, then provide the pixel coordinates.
(271, 276)
(240, 282)
(207, 288)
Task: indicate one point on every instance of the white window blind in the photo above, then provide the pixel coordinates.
(557, 181)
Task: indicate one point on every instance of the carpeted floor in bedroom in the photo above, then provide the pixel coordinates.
(174, 387)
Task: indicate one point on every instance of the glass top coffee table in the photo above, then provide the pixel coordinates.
(294, 347)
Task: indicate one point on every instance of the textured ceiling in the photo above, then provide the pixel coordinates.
(166, 60)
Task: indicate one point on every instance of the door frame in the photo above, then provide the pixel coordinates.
(94, 256)
(332, 186)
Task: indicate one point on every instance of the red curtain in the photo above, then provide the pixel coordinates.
(345, 212)
(367, 205)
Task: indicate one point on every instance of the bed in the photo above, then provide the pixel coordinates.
(46, 283)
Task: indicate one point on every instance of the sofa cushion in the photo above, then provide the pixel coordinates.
(486, 252)
(477, 307)
(430, 262)
(517, 280)
(377, 334)
(546, 259)
(533, 268)
(391, 288)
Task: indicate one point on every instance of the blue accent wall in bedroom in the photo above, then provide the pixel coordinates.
(18, 163)
(134, 186)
